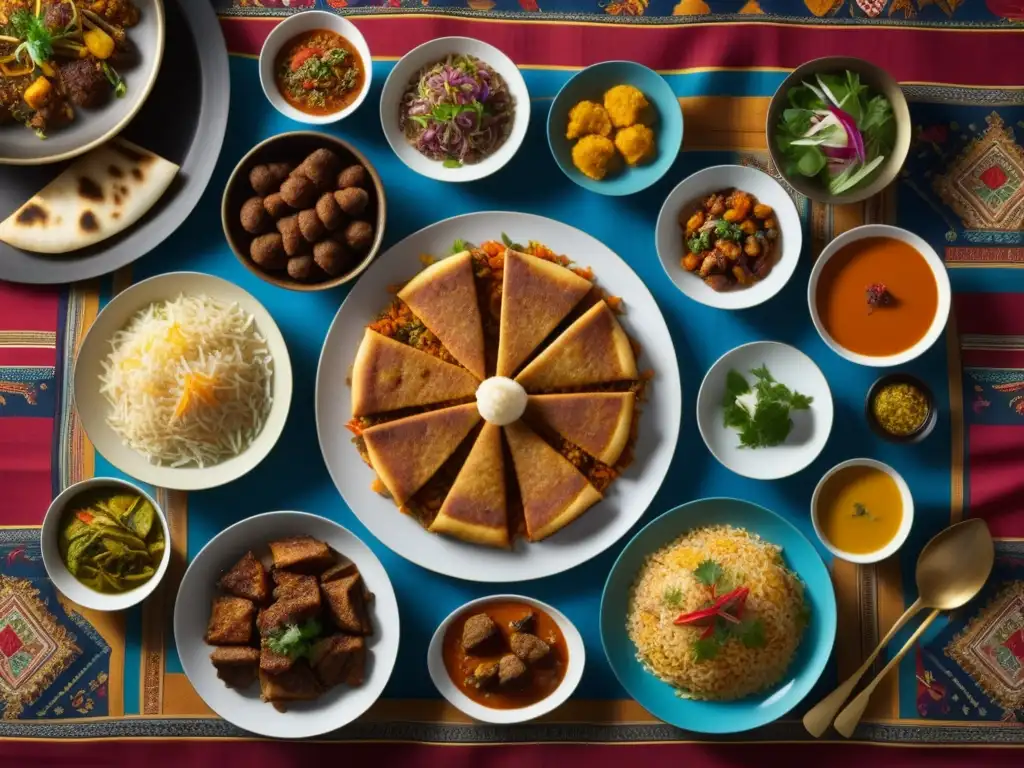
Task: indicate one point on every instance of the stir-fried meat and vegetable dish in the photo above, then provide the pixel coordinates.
(730, 240)
(59, 55)
(319, 72)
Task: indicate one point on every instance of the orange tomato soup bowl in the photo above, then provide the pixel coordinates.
(879, 295)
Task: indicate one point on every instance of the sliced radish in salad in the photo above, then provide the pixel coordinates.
(836, 128)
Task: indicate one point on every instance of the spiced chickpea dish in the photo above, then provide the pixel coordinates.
(730, 239)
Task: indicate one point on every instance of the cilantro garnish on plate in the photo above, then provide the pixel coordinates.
(760, 414)
(294, 640)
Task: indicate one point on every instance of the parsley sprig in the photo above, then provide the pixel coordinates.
(760, 414)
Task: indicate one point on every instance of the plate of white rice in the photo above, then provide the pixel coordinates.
(183, 381)
(719, 616)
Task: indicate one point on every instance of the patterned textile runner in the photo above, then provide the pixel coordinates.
(68, 674)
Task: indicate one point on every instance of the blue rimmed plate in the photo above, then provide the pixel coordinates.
(661, 699)
(590, 84)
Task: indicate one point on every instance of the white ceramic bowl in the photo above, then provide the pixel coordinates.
(941, 281)
(448, 689)
(905, 524)
(59, 573)
(306, 21)
(437, 50)
(93, 407)
(689, 194)
(336, 708)
(811, 428)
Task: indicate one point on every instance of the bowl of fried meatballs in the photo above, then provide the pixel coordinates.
(304, 211)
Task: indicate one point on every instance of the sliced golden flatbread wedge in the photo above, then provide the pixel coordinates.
(388, 375)
(475, 509)
(598, 422)
(407, 452)
(593, 350)
(554, 492)
(443, 296)
(536, 296)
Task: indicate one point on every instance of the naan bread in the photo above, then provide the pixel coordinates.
(593, 350)
(536, 296)
(100, 194)
(475, 509)
(407, 452)
(598, 422)
(554, 492)
(443, 296)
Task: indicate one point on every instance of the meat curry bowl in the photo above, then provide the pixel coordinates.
(506, 658)
(304, 211)
(315, 67)
(769, 223)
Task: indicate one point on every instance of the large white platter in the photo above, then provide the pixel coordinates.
(336, 708)
(625, 501)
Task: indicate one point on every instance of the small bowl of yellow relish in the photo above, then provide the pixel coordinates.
(901, 408)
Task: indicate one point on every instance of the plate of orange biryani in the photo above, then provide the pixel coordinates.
(487, 400)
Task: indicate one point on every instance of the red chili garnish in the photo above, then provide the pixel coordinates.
(85, 516)
(309, 85)
(303, 55)
(734, 601)
(702, 618)
(728, 607)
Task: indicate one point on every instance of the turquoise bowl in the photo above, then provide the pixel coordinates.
(661, 699)
(590, 84)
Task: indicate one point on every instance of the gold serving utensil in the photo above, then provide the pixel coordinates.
(951, 569)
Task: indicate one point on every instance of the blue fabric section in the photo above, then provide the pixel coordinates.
(38, 396)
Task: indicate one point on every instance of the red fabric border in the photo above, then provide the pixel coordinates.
(32, 357)
(996, 486)
(992, 358)
(734, 44)
(25, 487)
(168, 754)
(28, 308)
(996, 314)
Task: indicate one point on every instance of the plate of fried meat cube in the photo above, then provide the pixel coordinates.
(287, 625)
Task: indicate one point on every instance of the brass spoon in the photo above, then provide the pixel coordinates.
(951, 569)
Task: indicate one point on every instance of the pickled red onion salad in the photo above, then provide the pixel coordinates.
(837, 130)
(457, 111)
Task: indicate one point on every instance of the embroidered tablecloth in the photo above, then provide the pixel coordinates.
(69, 674)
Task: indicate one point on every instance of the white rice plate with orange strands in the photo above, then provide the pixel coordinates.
(667, 587)
(189, 381)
